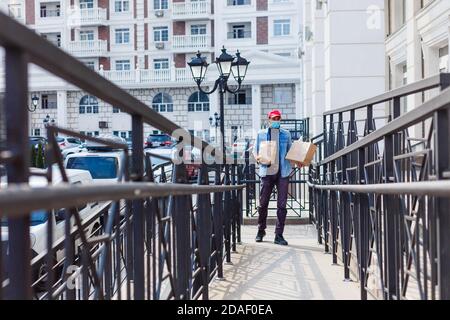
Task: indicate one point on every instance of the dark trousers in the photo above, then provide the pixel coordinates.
(267, 184)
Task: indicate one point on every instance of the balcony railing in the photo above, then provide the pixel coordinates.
(146, 76)
(184, 10)
(191, 42)
(50, 13)
(88, 16)
(90, 48)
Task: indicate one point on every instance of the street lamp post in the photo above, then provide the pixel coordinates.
(227, 65)
(214, 122)
(48, 121)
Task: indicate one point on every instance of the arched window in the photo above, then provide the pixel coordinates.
(162, 102)
(89, 104)
(198, 101)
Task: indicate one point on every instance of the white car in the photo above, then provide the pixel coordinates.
(103, 166)
(68, 142)
(39, 220)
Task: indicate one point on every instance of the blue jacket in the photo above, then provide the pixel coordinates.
(284, 146)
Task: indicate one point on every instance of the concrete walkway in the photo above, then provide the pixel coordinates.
(301, 271)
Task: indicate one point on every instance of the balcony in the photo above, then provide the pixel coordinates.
(90, 48)
(172, 76)
(191, 43)
(87, 17)
(191, 10)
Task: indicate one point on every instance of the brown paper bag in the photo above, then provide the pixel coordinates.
(301, 153)
(267, 152)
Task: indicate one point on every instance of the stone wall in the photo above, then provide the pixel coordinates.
(268, 102)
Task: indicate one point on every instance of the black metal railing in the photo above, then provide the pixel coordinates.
(152, 239)
(381, 199)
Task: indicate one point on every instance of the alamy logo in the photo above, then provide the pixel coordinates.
(375, 17)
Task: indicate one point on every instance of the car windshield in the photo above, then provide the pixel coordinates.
(59, 139)
(99, 167)
(36, 218)
(159, 138)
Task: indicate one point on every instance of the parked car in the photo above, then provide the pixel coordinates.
(39, 221)
(68, 142)
(68, 151)
(159, 140)
(37, 140)
(103, 166)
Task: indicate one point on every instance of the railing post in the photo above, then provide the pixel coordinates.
(182, 237)
(218, 224)
(333, 213)
(363, 228)
(391, 209)
(325, 213)
(138, 208)
(16, 114)
(345, 221)
(442, 159)
(325, 136)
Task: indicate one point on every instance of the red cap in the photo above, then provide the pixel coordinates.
(274, 113)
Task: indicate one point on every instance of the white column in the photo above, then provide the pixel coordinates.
(61, 102)
(256, 110)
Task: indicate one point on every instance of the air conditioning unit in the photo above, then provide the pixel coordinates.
(103, 125)
(159, 13)
(159, 45)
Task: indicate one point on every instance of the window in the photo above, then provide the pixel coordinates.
(115, 110)
(198, 101)
(100, 167)
(86, 4)
(88, 104)
(122, 36)
(86, 35)
(239, 31)
(282, 95)
(162, 102)
(161, 64)
(282, 27)
(243, 97)
(160, 34)
(90, 64)
(443, 59)
(48, 101)
(50, 10)
(37, 132)
(160, 4)
(238, 2)
(123, 65)
(197, 29)
(122, 5)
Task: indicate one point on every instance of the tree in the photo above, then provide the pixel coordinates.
(40, 157)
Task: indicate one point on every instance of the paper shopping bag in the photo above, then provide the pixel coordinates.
(301, 153)
(267, 152)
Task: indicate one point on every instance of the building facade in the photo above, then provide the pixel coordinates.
(418, 33)
(144, 46)
(343, 54)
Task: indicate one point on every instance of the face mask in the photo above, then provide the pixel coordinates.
(275, 125)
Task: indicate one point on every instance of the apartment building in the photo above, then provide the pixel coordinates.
(417, 40)
(144, 47)
(343, 45)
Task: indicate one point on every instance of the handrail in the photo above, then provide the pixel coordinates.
(436, 81)
(402, 122)
(17, 200)
(424, 188)
(68, 68)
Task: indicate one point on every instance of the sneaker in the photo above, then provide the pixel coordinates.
(259, 237)
(280, 240)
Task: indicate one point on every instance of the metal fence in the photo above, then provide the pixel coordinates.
(154, 240)
(381, 198)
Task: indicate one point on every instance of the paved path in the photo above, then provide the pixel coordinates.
(301, 271)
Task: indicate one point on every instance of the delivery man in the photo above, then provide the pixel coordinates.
(274, 174)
